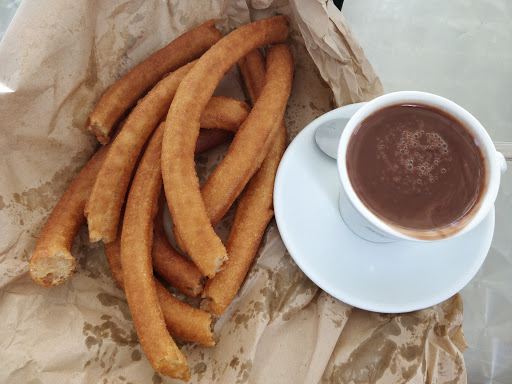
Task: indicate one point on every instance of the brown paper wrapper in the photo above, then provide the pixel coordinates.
(58, 58)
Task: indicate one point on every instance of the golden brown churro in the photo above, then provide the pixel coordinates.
(254, 209)
(139, 283)
(182, 129)
(52, 262)
(175, 269)
(254, 137)
(125, 92)
(181, 319)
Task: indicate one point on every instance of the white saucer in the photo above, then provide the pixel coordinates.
(394, 277)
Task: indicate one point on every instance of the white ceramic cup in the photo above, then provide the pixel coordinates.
(366, 224)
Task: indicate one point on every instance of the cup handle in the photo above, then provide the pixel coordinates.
(504, 153)
(501, 161)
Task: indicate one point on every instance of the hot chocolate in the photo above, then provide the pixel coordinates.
(415, 167)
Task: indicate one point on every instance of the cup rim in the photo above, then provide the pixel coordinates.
(492, 174)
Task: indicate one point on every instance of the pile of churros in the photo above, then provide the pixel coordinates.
(171, 116)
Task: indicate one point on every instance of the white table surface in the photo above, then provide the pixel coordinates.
(462, 50)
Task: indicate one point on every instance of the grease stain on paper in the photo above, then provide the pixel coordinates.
(368, 362)
(286, 292)
(95, 334)
(234, 362)
(244, 372)
(410, 372)
(200, 368)
(136, 355)
(47, 194)
(410, 323)
(411, 352)
(108, 300)
(93, 262)
(157, 379)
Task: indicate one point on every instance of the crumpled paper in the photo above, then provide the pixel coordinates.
(57, 58)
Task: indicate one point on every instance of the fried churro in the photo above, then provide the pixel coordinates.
(52, 262)
(254, 137)
(125, 92)
(254, 209)
(139, 283)
(182, 130)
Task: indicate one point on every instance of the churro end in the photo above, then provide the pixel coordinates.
(99, 130)
(94, 236)
(210, 305)
(176, 369)
(195, 290)
(220, 263)
(97, 234)
(52, 270)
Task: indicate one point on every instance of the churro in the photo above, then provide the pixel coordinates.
(254, 209)
(136, 245)
(139, 283)
(52, 262)
(254, 137)
(125, 92)
(181, 132)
